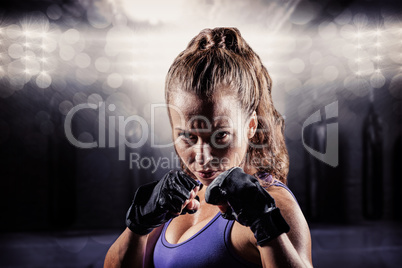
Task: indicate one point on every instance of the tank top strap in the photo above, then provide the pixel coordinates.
(271, 181)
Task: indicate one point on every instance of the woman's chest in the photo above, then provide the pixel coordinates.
(212, 231)
(208, 247)
(186, 226)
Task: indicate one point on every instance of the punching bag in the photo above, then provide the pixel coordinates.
(372, 181)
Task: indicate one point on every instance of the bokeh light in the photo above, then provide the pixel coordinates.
(119, 53)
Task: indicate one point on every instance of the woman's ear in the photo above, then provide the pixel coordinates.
(252, 125)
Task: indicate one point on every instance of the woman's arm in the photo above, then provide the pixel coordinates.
(132, 250)
(292, 249)
(153, 205)
(127, 250)
(278, 228)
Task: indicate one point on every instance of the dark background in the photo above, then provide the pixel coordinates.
(64, 205)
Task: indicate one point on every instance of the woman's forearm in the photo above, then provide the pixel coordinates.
(127, 251)
(280, 252)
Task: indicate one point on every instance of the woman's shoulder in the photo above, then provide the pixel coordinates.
(285, 201)
(276, 187)
(284, 198)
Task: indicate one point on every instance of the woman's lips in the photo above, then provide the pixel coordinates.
(206, 174)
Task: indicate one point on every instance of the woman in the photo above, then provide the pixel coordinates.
(229, 207)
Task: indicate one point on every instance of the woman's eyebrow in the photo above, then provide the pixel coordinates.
(214, 128)
(221, 126)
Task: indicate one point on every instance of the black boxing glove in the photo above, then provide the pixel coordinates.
(157, 202)
(248, 203)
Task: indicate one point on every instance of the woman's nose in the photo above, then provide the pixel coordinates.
(203, 154)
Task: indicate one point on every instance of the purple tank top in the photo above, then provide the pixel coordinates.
(210, 247)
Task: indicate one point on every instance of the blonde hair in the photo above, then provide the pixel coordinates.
(220, 56)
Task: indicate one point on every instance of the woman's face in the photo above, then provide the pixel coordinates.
(210, 136)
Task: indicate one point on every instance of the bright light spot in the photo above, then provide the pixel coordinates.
(378, 44)
(43, 80)
(358, 73)
(378, 58)
(99, 16)
(15, 51)
(13, 31)
(43, 60)
(82, 60)
(102, 64)
(50, 45)
(17, 74)
(26, 44)
(95, 99)
(120, 38)
(330, 73)
(377, 80)
(71, 36)
(358, 60)
(296, 65)
(66, 52)
(32, 65)
(167, 11)
(348, 31)
(27, 33)
(114, 80)
(358, 34)
(378, 33)
(327, 30)
(134, 64)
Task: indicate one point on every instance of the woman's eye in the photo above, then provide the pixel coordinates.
(221, 135)
(187, 136)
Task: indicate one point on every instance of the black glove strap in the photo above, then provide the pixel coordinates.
(141, 195)
(136, 228)
(269, 226)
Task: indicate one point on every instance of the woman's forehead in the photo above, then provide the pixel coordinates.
(193, 111)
